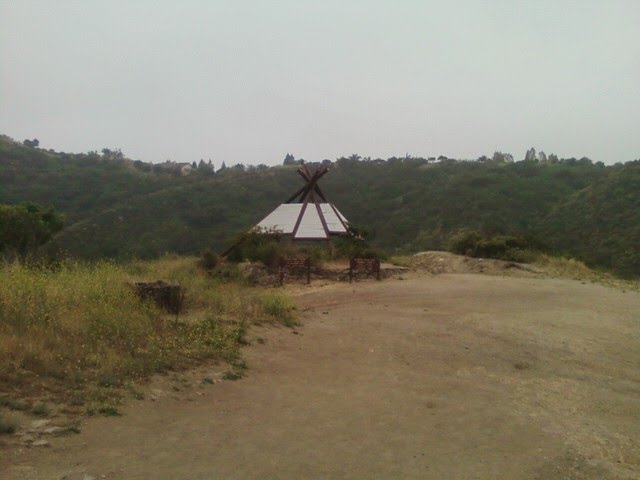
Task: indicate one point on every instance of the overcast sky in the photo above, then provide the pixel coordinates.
(248, 81)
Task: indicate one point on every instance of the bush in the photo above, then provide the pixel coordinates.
(279, 307)
(24, 228)
(256, 246)
(356, 246)
(464, 242)
(209, 261)
(503, 247)
(315, 251)
(7, 426)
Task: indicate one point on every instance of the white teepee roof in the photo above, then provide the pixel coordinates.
(308, 218)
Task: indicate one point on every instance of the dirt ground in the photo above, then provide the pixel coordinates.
(452, 376)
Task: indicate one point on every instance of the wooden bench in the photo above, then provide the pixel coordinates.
(294, 265)
(368, 266)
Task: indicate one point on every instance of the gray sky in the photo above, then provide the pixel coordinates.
(248, 81)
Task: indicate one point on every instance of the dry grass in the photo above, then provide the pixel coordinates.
(401, 260)
(77, 332)
(577, 270)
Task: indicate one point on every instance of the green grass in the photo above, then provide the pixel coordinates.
(279, 308)
(79, 332)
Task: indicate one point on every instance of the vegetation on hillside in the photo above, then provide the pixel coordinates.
(24, 228)
(503, 247)
(117, 208)
(600, 224)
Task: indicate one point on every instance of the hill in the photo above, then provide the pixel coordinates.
(76, 184)
(601, 223)
(116, 207)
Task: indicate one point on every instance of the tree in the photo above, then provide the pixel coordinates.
(289, 160)
(31, 143)
(108, 154)
(530, 156)
(499, 157)
(24, 228)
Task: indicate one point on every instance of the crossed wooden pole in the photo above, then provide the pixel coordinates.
(305, 195)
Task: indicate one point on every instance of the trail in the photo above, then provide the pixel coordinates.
(431, 377)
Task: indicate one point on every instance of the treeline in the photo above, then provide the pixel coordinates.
(115, 207)
(498, 158)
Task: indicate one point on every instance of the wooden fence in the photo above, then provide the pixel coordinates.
(368, 266)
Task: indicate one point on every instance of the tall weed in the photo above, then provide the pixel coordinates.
(81, 325)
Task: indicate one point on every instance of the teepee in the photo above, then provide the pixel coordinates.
(307, 214)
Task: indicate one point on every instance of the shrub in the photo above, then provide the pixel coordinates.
(24, 228)
(504, 247)
(356, 246)
(41, 410)
(7, 426)
(317, 252)
(257, 246)
(279, 307)
(209, 261)
(464, 242)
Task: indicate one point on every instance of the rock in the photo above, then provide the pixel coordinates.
(40, 443)
(54, 430)
(27, 438)
(40, 423)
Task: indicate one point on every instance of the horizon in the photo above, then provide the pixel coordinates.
(407, 155)
(248, 83)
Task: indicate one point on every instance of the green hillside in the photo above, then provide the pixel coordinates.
(119, 208)
(601, 223)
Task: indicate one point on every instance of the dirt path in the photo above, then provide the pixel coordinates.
(433, 377)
